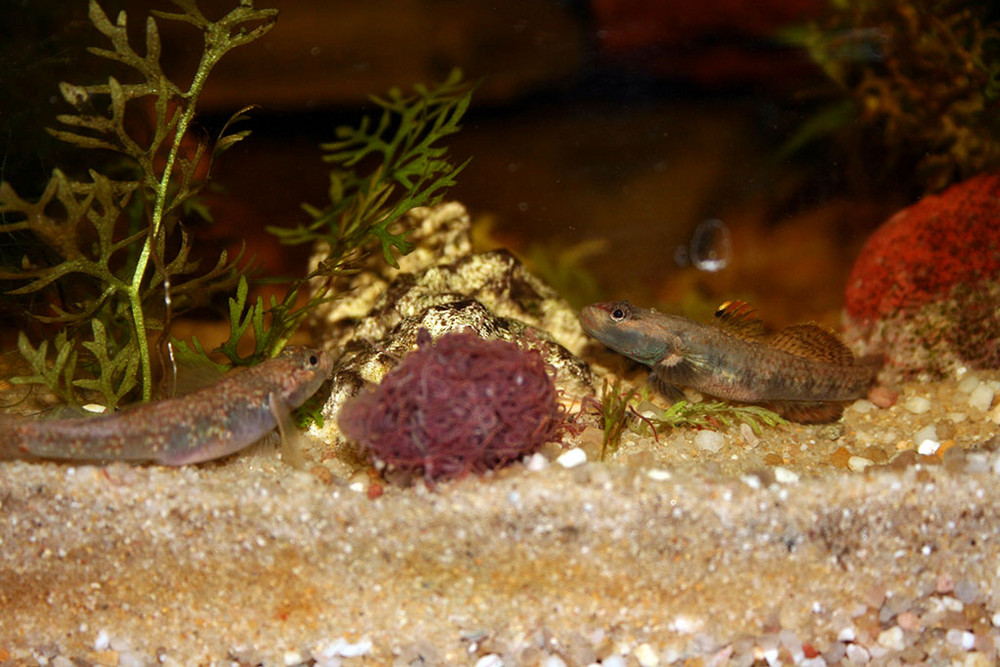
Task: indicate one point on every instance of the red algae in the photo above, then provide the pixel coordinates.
(924, 291)
(461, 405)
(923, 251)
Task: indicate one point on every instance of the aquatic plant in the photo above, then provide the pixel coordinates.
(460, 405)
(617, 408)
(377, 175)
(917, 77)
(105, 260)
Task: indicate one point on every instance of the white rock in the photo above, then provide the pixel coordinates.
(928, 447)
(658, 474)
(785, 476)
(536, 462)
(490, 660)
(646, 656)
(847, 634)
(926, 433)
(981, 397)
(709, 441)
(857, 654)
(917, 405)
(962, 638)
(573, 458)
(862, 405)
(892, 638)
(968, 384)
(345, 649)
(858, 463)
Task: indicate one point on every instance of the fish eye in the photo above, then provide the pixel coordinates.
(313, 360)
(619, 313)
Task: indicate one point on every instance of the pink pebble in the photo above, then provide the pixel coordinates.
(883, 397)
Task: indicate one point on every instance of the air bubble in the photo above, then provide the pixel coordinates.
(711, 246)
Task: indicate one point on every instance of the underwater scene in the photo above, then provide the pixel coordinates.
(426, 332)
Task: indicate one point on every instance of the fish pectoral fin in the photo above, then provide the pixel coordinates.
(664, 388)
(809, 412)
(813, 342)
(740, 319)
(291, 439)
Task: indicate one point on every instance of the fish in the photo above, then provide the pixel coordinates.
(207, 424)
(803, 372)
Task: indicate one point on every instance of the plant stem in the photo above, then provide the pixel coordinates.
(208, 61)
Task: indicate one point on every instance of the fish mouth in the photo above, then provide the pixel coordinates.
(590, 318)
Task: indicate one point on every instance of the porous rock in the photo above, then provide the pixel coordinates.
(442, 287)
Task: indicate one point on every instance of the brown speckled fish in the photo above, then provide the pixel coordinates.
(803, 372)
(208, 424)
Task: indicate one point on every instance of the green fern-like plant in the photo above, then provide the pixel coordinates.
(409, 168)
(379, 171)
(112, 253)
(618, 413)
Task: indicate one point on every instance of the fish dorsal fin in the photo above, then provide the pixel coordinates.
(739, 318)
(813, 342)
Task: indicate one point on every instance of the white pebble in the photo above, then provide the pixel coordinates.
(658, 474)
(750, 438)
(892, 638)
(102, 642)
(858, 654)
(646, 656)
(709, 441)
(573, 458)
(785, 476)
(926, 433)
(858, 463)
(928, 447)
(995, 619)
(536, 462)
(293, 658)
(962, 638)
(957, 417)
(490, 660)
(847, 634)
(553, 661)
(981, 397)
(862, 405)
(344, 649)
(614, 660)
(917, 404)
(968, 384)
(952, 604)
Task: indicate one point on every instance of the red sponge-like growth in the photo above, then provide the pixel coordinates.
(923, 251)
(461, 405)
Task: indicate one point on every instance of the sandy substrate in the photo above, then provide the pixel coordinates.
(781, 550)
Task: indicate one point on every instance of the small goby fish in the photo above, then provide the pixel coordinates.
(201, 426)
(804, 372)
